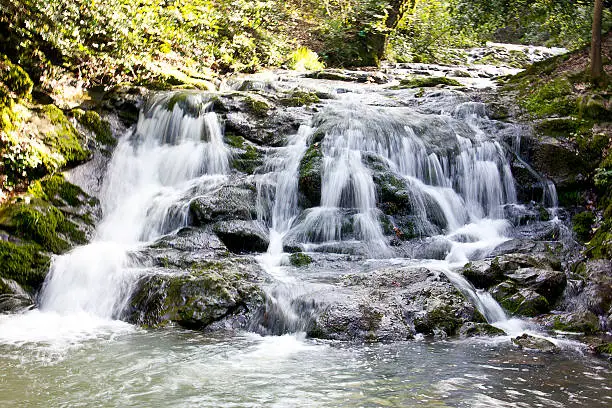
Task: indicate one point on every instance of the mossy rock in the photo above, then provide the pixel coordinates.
(25, 264)
(595, 107)
(300, 259)
(582, 225)
(58, 191)
(300, 98)
(471, 329)
(604, 349)
(258, 107)
(525, 303)
(442, 318)
(64, 138)
(92, 121)
(249, 160)
(582, 322)
(310, 176)
(600, 246)
(426, 82)
(552, 98)
(16, 80)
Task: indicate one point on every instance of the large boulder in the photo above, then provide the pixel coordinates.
(528, 342)
(392, 304)
(242, 236)
(230, 202)
(222, 293)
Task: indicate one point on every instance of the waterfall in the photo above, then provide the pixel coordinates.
(175, 151)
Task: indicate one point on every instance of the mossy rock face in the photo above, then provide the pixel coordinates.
(552, 98)
(300, 259)
(58, 191)
(207, 293)
(15, 79)
(600, 246)
(300, 98)
(64, 138)
(525, 303)
(92, 121)
(471, 329)
(483, 274)
(248, 160)
(581, 322)
(24, 264)
(443, 318)
(595, 107)
(258, 107)
(426, 82)
(310, 170)
(582, 225)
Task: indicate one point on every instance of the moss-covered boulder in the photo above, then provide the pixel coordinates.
(25, 264)
(101, 129)
(208, 293)
(427, 82)
(230, 202)
(525, 302)
(309, 182)
(63, 137)
(300, 259)
(472, 329)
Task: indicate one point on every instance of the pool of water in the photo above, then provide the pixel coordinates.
(172, 367)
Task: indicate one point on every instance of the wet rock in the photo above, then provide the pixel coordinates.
(585, 322)
(13, 297)
(548, 283)
(555, 160)
(228, 203)
(393, 304)
(525, 302)
(535, 343)
(472, 329)
(242, 236)
(483, 274)
(221, 293)
(309, 182)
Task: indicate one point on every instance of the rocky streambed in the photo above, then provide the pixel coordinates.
(362, 207)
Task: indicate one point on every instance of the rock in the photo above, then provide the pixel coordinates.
(535, 343)
(300, 259)
(13, 297)
(585, 322)
(483, 274)
(547, 283)
(392, 304)
(242, 236)
(525, 302)
(230, 202)
(309, 183)
(471, 329)
(220, 293)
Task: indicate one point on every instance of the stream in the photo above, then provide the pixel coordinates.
(437, 154)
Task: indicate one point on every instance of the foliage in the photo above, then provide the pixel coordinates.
(304, 59)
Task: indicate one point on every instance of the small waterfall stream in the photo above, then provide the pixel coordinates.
(175, 152)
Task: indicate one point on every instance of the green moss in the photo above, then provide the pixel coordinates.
(58, 191)
(248, 161)
(604, 349)
(300, 98)
(64, 137)
(594, 107)
(551, 98)
(257, 106)
(586, 323)
(92, 121)
(310, 175)
(518, 304)
(600, 246)
(41, 226)
(426, 82)
(234, 140)
(24, 264)
(442, 318)
(582, 225)
(300, 259)
(15, 78)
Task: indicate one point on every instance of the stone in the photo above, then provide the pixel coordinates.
(472, 329)
(528, 342)
(230, 202)
(242, 236)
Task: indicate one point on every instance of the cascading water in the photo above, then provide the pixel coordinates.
(175, 152)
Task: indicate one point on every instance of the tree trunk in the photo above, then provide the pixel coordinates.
(596, 64)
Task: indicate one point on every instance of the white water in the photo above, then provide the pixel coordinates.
(171, 155)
